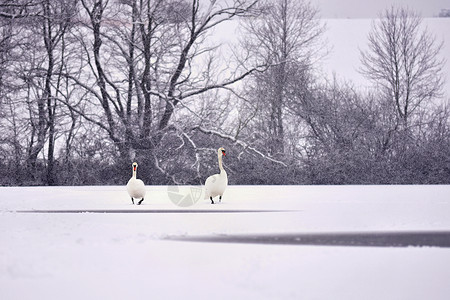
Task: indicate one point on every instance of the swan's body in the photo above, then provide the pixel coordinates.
(136, 187)
(215, 185)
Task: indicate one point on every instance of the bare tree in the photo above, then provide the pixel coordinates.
(58, 17)
(403, 59)
(33, 57)
(285, 36)
(18, 18)
(148, 61)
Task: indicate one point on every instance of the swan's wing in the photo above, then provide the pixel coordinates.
(209, 184)
(210, 180)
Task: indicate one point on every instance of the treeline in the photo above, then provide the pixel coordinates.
(89, 86)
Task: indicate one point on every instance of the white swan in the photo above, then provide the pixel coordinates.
(136, 187)
(215, 185)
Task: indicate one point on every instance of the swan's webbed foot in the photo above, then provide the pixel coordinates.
(212, 201)
(132, 200)
(139, 203)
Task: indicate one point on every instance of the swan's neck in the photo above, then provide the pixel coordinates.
(134, 173)
(220, 163)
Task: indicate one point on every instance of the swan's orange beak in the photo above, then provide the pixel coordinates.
(134, 168)
(223, 153)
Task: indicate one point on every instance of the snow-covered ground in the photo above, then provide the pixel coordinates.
(91, 243)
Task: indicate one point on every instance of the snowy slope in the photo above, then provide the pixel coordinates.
(106, 253)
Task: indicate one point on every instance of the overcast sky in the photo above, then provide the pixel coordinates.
(372, 8)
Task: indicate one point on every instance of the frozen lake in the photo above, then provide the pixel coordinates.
(261, 242)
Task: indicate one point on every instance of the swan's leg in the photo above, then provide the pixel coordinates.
(132, 200)
(212, 201)
(139, 203)
(220, 198)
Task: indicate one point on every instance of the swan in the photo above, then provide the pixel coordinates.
(136, 187)
(215, 185)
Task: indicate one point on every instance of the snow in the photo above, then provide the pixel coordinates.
(104, 253)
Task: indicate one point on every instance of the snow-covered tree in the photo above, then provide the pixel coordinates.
(403, 60)
(285, 36)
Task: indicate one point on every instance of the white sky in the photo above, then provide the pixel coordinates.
(370, 9)
(347, 36)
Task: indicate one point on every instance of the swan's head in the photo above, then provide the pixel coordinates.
(135, 166)
(221, 151)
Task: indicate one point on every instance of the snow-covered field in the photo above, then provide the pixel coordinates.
(91, 243)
